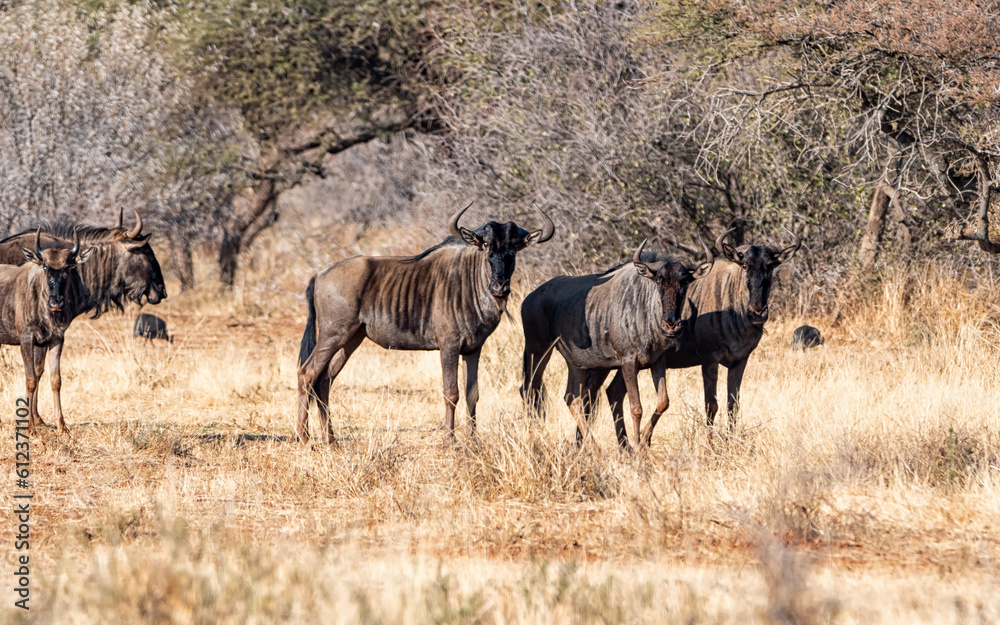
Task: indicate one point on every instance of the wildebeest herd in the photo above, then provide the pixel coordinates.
(654, 313)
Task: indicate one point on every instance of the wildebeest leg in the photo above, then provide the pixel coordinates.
(734, 380)
(471, 363)
(630, 372)
(315, 366)
(55, 379)
(323, 383)
(31, 376)
(575, 388)
(710, 379)
(449, 383)
(616, 400)
(536, 358)
(659, 373)
(592, 385)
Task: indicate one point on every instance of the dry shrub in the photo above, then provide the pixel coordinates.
(521, 461)
(155, 438)
(359, 467)
(946, 457)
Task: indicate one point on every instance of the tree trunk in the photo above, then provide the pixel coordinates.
(885, 193)
(876, 227)
(184, 262)
(247, 212)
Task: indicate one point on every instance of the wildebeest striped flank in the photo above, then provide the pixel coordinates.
(621, 319)
(449, 298)
(37, 303)
(725, 314)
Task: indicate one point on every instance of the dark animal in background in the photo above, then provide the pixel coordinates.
(151, 327)
(725, 313)
(38, 300)
(805, 337)
(622, 319)
(450, 298)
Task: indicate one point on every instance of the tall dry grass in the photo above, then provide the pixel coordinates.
(860, 483)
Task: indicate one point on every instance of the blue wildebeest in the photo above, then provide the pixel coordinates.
(725, 314)
(38, 301)
(151, 327)
(449, 298)
(121, 266)
(622, 319)
(805, 337)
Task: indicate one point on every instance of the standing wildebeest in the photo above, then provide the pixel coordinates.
(449, 298)
(121, 266)
(151, 327)
(725, 312)
(37, 304)
(622, 319)
(805, 337)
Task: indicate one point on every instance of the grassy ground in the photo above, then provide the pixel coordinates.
(861, 484)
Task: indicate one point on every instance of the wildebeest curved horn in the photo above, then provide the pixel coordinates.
(76, 243)
(548, 229)
(453, 224)
(709, 256)
(135, 232)
(722, 237)
(798, 242)
(38, 243)
(637, 257)
(121, 216)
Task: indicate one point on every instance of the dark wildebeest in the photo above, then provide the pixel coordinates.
(805, 337)
(122, 266)
(449, 298)
(151, 327)
(37, 304)
(621, 319)
(725, 314)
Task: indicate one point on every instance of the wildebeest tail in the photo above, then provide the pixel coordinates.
(309, 336)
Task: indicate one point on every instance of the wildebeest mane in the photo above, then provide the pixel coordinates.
(64, 230)
(450, 241)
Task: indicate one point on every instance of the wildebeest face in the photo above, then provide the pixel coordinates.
(759, 263)
(501, 243)
(139, 271)
(672, 279)
(59, 267)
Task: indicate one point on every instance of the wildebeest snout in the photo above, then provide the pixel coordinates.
(757, 316)
(671, 328)
(56, 302)
(499, 289)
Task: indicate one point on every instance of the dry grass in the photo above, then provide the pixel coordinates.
(862, 483)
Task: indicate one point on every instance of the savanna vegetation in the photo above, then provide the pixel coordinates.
(262, 141)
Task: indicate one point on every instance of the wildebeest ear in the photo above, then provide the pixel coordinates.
(785, 254)
(644, 270)
(30, 256)
(83, 255)
(471, 237)
(702, 270)
(137, 242)
(732, 253)
(533, 237)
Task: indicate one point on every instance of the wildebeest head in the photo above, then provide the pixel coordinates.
(759, 263)
(501, 243)
(138, 270)
(672, 279)
(58, 264)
